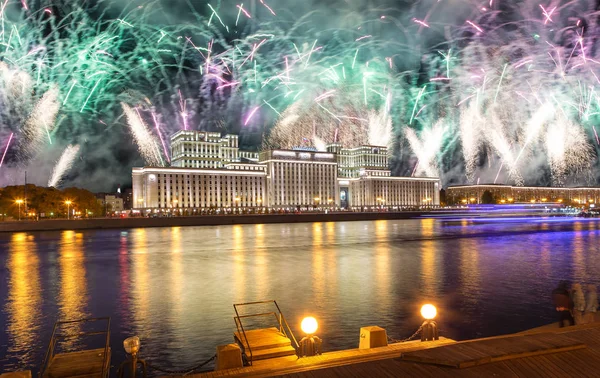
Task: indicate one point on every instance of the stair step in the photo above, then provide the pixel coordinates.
(264, 354)
(266, 338)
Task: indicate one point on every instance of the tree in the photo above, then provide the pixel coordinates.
(47, 201)
(487, 197)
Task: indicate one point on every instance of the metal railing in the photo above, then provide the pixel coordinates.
(57, 336)
(284, 327)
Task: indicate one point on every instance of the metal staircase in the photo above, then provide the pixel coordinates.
(265, 342)
(69, 355)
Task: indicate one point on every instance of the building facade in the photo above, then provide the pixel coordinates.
(202, 149)
(110, 202)
(300, 178)
(365, 180)
(187, 188)
(209, 171)
(464, 194)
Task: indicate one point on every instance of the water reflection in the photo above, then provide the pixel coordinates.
(24, 296)
(429, 275)
(318, 264)
(175, 286)
(72, 297)
(239, 265)
(139, 285)
(174, 257)
(579, 265)
(470, 289)
(382, 271)
(261, 272)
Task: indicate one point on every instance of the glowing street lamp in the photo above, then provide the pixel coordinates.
(472, 199)
(317, 200)
(510, 200)
(68, 203)
(429, 331)
(140, 202)
(310, 345)
(19, 202)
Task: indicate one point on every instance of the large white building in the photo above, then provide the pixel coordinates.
(300, 178)
(365, 181)
(210, 172)
(202, 149)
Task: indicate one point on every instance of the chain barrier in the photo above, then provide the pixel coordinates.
(182, 371)
(391, 340)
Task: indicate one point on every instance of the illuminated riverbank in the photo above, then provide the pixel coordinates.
(205, 220)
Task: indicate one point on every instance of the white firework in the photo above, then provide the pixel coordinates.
(380, 129)
(63, 165)
(145, 141)
(470, 134)
(41, 122)
(567, 148)
(427, 146)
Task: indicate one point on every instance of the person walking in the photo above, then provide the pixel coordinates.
(591, 304)
(563, 304)
(578, 299)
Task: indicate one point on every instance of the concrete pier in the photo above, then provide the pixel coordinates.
(551, 352)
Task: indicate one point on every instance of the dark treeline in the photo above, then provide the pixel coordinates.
(42, 202)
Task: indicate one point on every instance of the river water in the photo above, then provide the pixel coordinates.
(174, 287)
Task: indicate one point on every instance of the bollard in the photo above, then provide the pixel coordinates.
(310, 346)
(429, 331)
(372, 337)
(229, 357)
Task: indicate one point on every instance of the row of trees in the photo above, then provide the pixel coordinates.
(487, 197)
(42, 202)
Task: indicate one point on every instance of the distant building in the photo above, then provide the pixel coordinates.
(463, 194)
(210, 171)
(127, 195)
(110, 202)
(202, 149)
(365, 180)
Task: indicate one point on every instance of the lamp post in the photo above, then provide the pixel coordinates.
(19, 202)
(310, 345)
(429, 331)
(68, 203)
(317, 201)
(132, 347)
